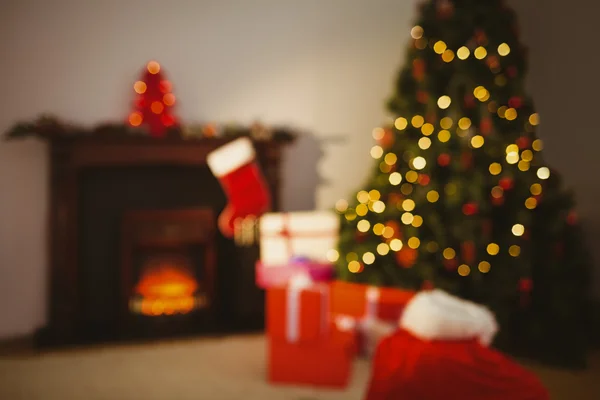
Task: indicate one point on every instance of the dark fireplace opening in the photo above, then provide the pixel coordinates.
(147, 239)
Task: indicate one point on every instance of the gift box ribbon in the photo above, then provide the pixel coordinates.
(297, 285)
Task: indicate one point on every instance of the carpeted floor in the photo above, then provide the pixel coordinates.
(201, 369)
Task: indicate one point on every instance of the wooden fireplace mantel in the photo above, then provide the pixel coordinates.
(68, 157)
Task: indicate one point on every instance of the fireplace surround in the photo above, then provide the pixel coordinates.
(125, 213)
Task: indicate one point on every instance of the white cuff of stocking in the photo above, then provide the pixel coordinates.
(437, 315)
(230, 156)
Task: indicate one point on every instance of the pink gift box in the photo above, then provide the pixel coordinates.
(270, 276)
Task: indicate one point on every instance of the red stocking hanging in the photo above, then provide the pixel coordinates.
(234, 164)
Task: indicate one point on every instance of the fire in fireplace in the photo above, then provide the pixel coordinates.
(167, 286)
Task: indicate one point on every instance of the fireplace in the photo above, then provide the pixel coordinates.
(167, 273)
(134, 247)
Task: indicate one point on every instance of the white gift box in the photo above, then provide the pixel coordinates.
(310, 234)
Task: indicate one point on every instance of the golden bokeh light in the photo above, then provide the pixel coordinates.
(543, 173)
(395, 178)
(333, 255)
(363, 196)
(493, 249)
(385, 168)
(536, 189)
(439, 47)
(427, 129)
(417, 221)
(368, 258)
(524, 165)
(484, 267)
(464, 270)
(354, 267)
(378, 228)
(408, 205)
(433, 196)
(477, 141)
(407, 218)
(416, 32)
(504, 49)
(444, 102)
(383, 249)
(140, 87)
(388, 232)
(417, 121)
(374, 195)
(376, 152)
(414, 243)
(531, 203)
(518, 230)
(480, 53)
(424, 143)
(446, 123)
(412, 176)
(512, 148)
(419, 163)
(444, 135)
(534, 119)
(169, 99)
(379, 206)
(511, 114)
(401, 123)
(537, 145)
(514, 250)
(449, 253)
(512, 158)
(448, 56)
(497, 192)
(157, 107)
(463, 53)
(390, 158)
(362, 210)
(396, 244)
(351, 215)
(363, 225)
(527, 155)
(464, 123)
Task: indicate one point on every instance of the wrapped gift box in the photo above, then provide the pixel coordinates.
(360, 301)
(306, 346)
(325, 362)
(310, 234)
(376, 310)
(277, 275)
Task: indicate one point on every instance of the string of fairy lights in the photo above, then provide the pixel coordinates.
(517, 153)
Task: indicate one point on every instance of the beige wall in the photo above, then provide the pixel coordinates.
(324, 66)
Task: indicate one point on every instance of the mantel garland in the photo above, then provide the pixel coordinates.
(49, 127)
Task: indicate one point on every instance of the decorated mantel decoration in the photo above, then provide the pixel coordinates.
(235, 165)
(153, 105)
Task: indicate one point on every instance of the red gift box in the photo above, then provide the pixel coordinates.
(360, 301)
(304, 345)
(324, 362)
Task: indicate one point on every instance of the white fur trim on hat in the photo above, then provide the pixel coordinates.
(437, 315)
(230, 156)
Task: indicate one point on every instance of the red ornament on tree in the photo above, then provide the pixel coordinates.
(443, 160)
(485, 126)
(153, 105)
(450, 264)
(470, 209)
(506, 183)
(515, 102)
(525, 285)
(466, 159)
(469, 101)
(497, 201)
(444, 9)
(523, 142)
(572, 218)
(511, 71)
(468, 252)
(418, 69)
(387, 139)
(424, 179)
(422, 97)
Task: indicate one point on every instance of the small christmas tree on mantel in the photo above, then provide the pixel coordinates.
(154, 102)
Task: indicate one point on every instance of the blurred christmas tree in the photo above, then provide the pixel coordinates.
(461, 198)
(154, 102)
